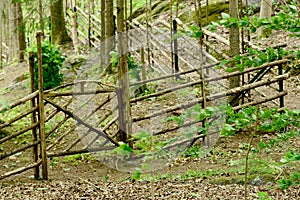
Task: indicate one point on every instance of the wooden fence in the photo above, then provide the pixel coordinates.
(56, 122)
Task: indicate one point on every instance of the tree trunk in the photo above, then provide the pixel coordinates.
(74, 29)
(1, 40)
(41, 21)
(21, 32)
(123, 88)
(265, 11)
(102, 47)
(12, 20)
(109, 34)
(59, 33)
(234, 38)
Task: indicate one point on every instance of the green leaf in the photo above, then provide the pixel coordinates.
(225, 16)
(136, 174)
(141, 135)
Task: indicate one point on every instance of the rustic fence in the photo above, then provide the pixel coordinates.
(57, 122)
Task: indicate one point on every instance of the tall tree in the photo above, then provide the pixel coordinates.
(265, 11)
(123, 87)
(1, 34)
(12, 23)
(102, 14)
(109, 33)
(41, 21)
(59, 33)
(234, 38)
(21, 32)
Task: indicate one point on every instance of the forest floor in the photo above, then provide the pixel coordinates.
(215, 174)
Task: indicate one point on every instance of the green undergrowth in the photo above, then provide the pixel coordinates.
(273, 155)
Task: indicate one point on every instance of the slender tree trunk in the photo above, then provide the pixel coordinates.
(59, 33)
(41, 21)
(265, 11)
(123, 94)
(102, 47)
(109, 34)
(1, 40)
(234, 38)
(74, 29)
(21, 32)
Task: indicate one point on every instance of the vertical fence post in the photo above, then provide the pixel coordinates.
(281, 99)
(33, 117)
(175, 47)
(41, 108)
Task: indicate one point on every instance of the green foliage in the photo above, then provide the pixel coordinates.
(124, 150)
(136, 175)
(287, 20)
(255, 58)
(272, 120)
(263, 196)
(54, 162)
(147, 144)
(294, 179)
(75, 159)
(52, 60)
(194, 152)
(133, 67)
(194, 31)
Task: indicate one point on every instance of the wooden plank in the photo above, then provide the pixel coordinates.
(34, 115)
(41, 108)
(19, 170)
(21, 101)
(13, 135)
(22, 148)
(80, 121)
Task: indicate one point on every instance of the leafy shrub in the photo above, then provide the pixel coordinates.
(133, 67)
(52, 60)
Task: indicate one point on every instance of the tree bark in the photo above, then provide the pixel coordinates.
(234, 38)
(1, 34)
(102, 32)
(59, 33)
(41, 21)
(265, 11)
(109, 34)
(12, 22)
(21, 32)
(123, 90)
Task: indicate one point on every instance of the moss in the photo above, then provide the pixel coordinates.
(214, 11)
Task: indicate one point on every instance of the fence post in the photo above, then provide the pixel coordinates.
(41, 108)
(33, 117)
(175, 47)
(281, 99)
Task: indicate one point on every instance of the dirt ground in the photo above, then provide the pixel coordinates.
(90, 179)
